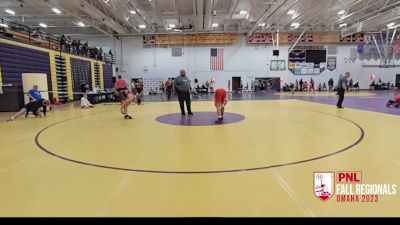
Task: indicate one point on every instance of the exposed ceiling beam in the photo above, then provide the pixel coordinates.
(261, 19)
(76, 15)
(231, 12)
(207, 16)
(200, 14)
(92, 9)
(362, 10)
(194, 4)
(141, 15)
(120, 10)
(306, 13)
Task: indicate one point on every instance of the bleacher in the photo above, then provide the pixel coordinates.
(21, 33)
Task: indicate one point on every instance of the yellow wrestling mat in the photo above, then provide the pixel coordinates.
(94, 163)
(328, 94)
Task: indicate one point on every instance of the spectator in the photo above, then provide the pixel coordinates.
(63, 41)
(68, 43)
(120, 85)
(34, 94)
(301, 84)
(85, 103)
(351, 84)
(79, 47)
(74, 47)
(330, 84)
(100, 54)
(168, 85)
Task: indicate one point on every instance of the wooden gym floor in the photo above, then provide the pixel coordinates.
(92, 162)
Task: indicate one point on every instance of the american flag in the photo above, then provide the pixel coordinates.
(217, 59)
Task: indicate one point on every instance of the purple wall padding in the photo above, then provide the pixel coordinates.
(16, 60)
(81, 73)
(108, 76)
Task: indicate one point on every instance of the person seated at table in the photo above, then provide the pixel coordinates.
(85, 88)
(319, 87)
(356, 86)
(372, 84)
(324, 87)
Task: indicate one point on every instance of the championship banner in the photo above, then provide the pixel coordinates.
(331, 63)
(360, 49)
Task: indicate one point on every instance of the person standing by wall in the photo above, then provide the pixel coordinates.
(120, 85)
(182, 84)
(168, 85)
(330, 84)
(342, 87)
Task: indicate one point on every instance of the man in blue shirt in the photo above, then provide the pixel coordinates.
(34, 94)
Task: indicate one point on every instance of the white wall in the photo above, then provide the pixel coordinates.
(241, 59)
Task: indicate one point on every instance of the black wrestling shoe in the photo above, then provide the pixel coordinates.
(219, 121)
(128, 117)
(190, 114)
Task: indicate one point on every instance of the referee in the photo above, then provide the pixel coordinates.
(182, 84)
(342, 87)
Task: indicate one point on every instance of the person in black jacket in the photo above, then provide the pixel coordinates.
(33, 107)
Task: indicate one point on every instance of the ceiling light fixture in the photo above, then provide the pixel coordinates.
(56, 10)
(295, 25)
(291, 12)
(9, 11)
(341, 12)
(391, 24)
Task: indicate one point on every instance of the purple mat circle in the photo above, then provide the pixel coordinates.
(199, 119)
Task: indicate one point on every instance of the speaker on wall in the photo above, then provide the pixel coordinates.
(275, 52)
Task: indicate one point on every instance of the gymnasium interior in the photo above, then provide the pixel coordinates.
(290, 108)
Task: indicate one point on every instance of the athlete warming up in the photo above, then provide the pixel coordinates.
(130, 98)
(220, 100)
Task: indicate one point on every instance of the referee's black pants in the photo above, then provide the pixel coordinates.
(341, 97)
(184, 96)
